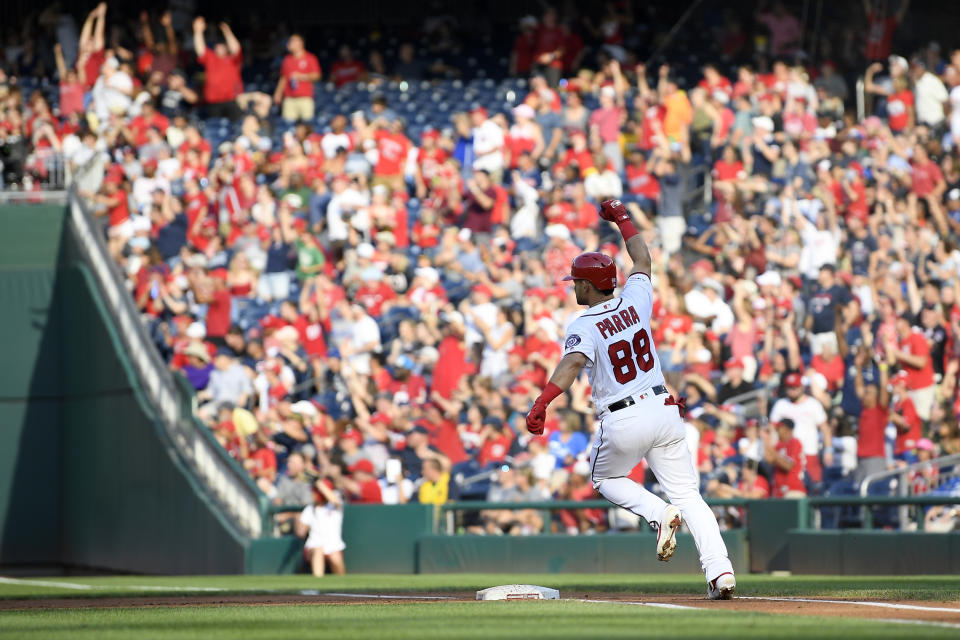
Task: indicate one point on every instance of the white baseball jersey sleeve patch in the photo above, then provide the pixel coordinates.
(580, 341)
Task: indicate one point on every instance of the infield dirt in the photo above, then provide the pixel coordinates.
(927, 611)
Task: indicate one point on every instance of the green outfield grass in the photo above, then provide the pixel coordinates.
(442, 620)
(563, 619)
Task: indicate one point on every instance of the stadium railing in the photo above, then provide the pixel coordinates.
(914, 504)
(450, 509)
(948, 470)
(898, 481)
(225, 483)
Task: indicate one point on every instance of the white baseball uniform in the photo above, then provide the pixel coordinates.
(326, 526)
(615, 336)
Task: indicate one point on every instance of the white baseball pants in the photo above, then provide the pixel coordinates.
(649, 429)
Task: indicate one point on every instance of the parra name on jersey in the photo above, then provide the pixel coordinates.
(618, 322)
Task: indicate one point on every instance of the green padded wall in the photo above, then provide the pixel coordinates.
(30, 392)
(615, 553)
(87, 479)
(768, 522)
(858, 552)
(383, 538)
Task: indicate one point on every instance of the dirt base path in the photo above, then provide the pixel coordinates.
(929, 611)
(945, 613)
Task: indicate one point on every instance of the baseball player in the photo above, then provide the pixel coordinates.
(638, 417)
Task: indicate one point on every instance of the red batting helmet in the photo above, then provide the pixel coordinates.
(596, 267)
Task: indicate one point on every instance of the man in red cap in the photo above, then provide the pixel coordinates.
(362, 485)
(904, 415)
(735, 385)
(639, 419)
(810, 422)
(430, 157)
(787, 459)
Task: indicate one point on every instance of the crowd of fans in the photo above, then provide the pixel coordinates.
(367, 317)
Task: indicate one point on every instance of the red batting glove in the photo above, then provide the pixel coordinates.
(614, 211)
(536, 417)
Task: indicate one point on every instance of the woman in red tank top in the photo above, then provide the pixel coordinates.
(240, 277)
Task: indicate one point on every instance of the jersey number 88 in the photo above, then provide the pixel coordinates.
(622, 357)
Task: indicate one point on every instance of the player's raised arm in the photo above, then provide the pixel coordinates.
(563, 376)
(615, 212)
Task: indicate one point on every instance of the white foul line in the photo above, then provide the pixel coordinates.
(380, 596)
(661, 605)
(156, 587)
(931, 623)
(45, 583)
(102, 587)
(884, 605)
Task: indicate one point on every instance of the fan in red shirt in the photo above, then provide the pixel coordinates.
(362, 486)
(196, 205)
(222, 83)
(226, 434)
(392, 149)
(215, 295)
(374, 293)
(521, 58)
(559, 211)
(752, 485)
(787, 459)
(71, 86)
(452, 363)
(729, 168)
(880, 28)
(874, 416)
(673, 323)
(578, 153)
(299, 71)
(430, 158)
(830, 366)
(311, 333)
(900, 106)
(149, 117)
(405, 382)
(904, 416)
(652, 123)
(115, 200)
(551, 38)
(913, 356)
(585, 213)
(927, 176)
(346, 70)
(640, 181)
(193, 141)
(92, 46)
(713, 81)
(497, 441)
(262, 462)
(542, 93)
(542, 351)
(443, 433)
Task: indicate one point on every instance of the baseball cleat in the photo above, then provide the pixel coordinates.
(722, 587)
(667, 533)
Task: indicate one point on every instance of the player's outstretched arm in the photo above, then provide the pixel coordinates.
(615, 212)
(563, 376)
